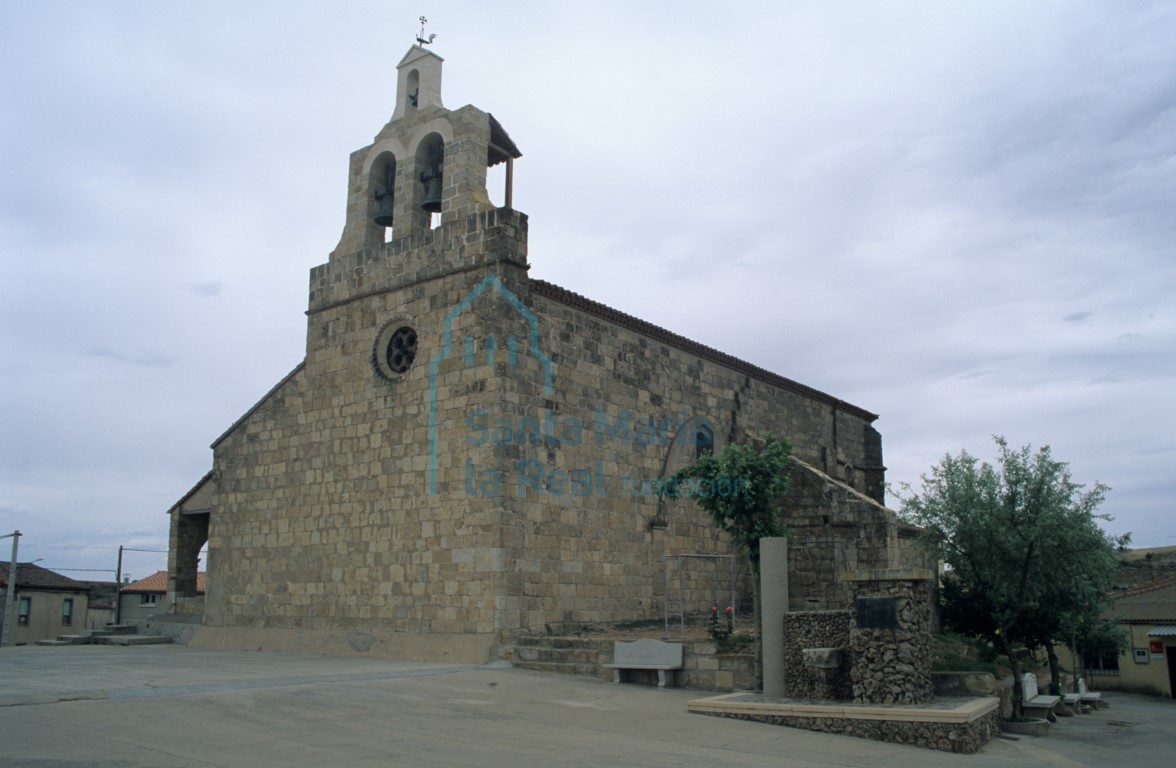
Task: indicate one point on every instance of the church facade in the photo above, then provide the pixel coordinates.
(467, 454)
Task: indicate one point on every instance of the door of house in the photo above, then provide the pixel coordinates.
(1170, 657)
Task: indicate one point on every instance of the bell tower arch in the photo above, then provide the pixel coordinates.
(426, 161)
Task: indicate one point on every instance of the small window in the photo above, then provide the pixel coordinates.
(146, 599)
(1103, 665)
(67, 612)
(22, 615)
(704, 442)
(414, 88)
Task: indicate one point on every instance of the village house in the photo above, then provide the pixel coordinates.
(1143, 604)
(45, 604)
(467, 454)
(147, 598)
(1148, 613)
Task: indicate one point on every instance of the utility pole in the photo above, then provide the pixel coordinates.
(10, 593)
(118, 588)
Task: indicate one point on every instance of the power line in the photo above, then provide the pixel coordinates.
(102, 569)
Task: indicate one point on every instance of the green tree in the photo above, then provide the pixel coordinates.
(740, 489)
(1076, 592)
(1014, 536)
(1100, 637)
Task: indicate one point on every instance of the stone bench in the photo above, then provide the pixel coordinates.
(647, 655)
(1037, 702)
(1092, 699)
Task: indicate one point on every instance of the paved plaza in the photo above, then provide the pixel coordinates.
(164, 706)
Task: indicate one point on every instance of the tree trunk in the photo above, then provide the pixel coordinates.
(1015, 664)
(1055, 676)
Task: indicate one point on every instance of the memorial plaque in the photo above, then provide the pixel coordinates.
(877, 613)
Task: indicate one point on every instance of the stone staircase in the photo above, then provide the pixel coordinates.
(111, 634)
(563, 655)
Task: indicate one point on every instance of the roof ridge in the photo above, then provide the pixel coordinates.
(31, 575)
(1160, 582)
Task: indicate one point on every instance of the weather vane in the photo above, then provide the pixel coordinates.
(421, 37)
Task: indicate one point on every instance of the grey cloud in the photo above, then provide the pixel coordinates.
(211, 288)
(146, 358)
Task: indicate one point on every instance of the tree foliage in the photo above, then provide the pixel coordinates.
(739, 489)
(1029, 562)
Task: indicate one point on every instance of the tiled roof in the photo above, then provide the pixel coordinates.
(157, 582)
(31, 576)
(1154, 603)
(669, 338)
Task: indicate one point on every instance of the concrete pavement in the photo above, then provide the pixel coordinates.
(164, 706)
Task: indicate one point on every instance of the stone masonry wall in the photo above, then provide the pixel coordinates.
(633, 400)
(893, 666)
(323, 516)
(817, 629)
(836, 531)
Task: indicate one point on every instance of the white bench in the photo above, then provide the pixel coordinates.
(1035, 701)
(1093, 699)
(646, 654)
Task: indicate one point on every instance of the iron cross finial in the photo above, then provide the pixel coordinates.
(421, 39)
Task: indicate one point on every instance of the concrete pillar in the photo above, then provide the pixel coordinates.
(773, 606)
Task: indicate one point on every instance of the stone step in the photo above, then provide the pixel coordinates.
(562, 669)
(557, 655)
(119, 629)
(80, 639)
(133, 640)
(55, 642)
(548, 641)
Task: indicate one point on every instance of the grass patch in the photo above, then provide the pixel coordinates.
(638, 625)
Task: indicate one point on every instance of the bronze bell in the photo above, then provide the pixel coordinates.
(383, 217)
(384, 197)
(432, 200)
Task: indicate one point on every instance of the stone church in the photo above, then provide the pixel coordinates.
(467, 454)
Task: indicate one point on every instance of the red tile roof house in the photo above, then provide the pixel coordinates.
(147, 598)
(1147, 612)
(45, 604)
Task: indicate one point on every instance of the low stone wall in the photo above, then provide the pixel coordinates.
(458, 649)
(817, 629)
(709, 666)
(948, 737)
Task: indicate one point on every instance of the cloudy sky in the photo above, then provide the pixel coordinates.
(959, 216)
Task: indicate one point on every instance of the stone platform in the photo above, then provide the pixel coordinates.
(948, 724)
